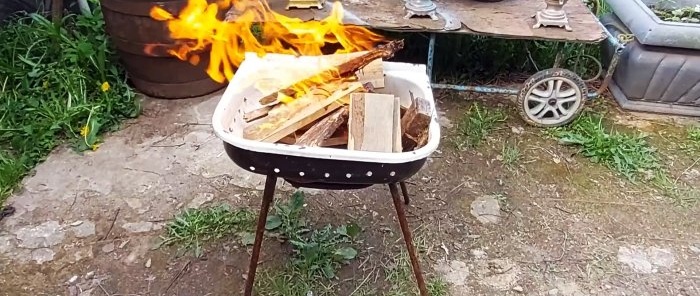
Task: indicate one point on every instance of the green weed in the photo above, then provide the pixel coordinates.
(510, 155)
(317, 253)
(57, 83)
(476, 124)
(195, 227)
(628, 154)
(692, 143)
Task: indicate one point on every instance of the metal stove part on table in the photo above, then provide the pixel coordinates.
(421, 8)
(553, 15)
(325, 168)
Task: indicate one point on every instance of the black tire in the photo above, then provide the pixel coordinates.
(570, 77)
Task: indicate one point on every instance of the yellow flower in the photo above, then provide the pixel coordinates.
(95, 146)
(105, 86)
(84, 130)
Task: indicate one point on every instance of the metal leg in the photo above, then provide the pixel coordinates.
(268, 194)
(408, 239)
(431, 53)
(404, 192)
(611, 70)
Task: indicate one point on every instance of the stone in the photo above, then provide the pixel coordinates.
(518, 289)
(73, 279)
(635, 258)
(42, 255)
(553, 292)
(694, 248)
(569, 289)
(660, 257)
(83, 230)
(478, 253)
(6, 244)
(45, 235)
(108, 248)
(140, 227)
(647, 260)
(486, 209)
(444, 120)
(148, 263)
(518, 130)
(454, 272)
(90, 275)
(503, 274)
(200, 199)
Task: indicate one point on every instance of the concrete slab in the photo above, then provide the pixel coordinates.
(166, 160)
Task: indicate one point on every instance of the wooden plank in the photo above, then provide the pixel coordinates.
(397, 126)
(323, 129)
(372, 73)
(257, 113)
(274, 128)
(371, 122)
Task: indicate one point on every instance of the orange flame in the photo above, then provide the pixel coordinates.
(197, 28)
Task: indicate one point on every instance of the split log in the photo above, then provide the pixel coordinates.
(372, 73)
(371, 122)
(323, 129)
(276, 126)
(343, 70)
(335, 141)
(415, 124)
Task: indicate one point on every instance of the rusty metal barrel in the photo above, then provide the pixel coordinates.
(154, 72)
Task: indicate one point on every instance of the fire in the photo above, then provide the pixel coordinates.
(197, 27)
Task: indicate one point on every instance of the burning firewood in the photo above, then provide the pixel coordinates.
(288, 118)
(343, 70)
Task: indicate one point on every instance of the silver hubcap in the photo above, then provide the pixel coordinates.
(552, 100)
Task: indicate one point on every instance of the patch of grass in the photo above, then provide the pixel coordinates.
(628, 154)
(57, 83)
(692, 143)
(400, 276)
(510, 155)
(476, 124)
(317, 253)
(193, 228)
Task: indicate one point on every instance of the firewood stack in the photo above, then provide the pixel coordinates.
(339, 108)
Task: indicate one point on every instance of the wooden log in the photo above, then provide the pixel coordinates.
(275, 127)
(371, 122)
(345, 69)
(415, 124)
(323, 129)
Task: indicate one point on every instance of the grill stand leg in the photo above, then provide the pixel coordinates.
(401, 214)
(268, 194)
(404, 192)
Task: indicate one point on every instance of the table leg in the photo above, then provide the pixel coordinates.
(267, 198)
(431, 54)
(403, 222)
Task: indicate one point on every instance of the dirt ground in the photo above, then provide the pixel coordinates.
(552, 224)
